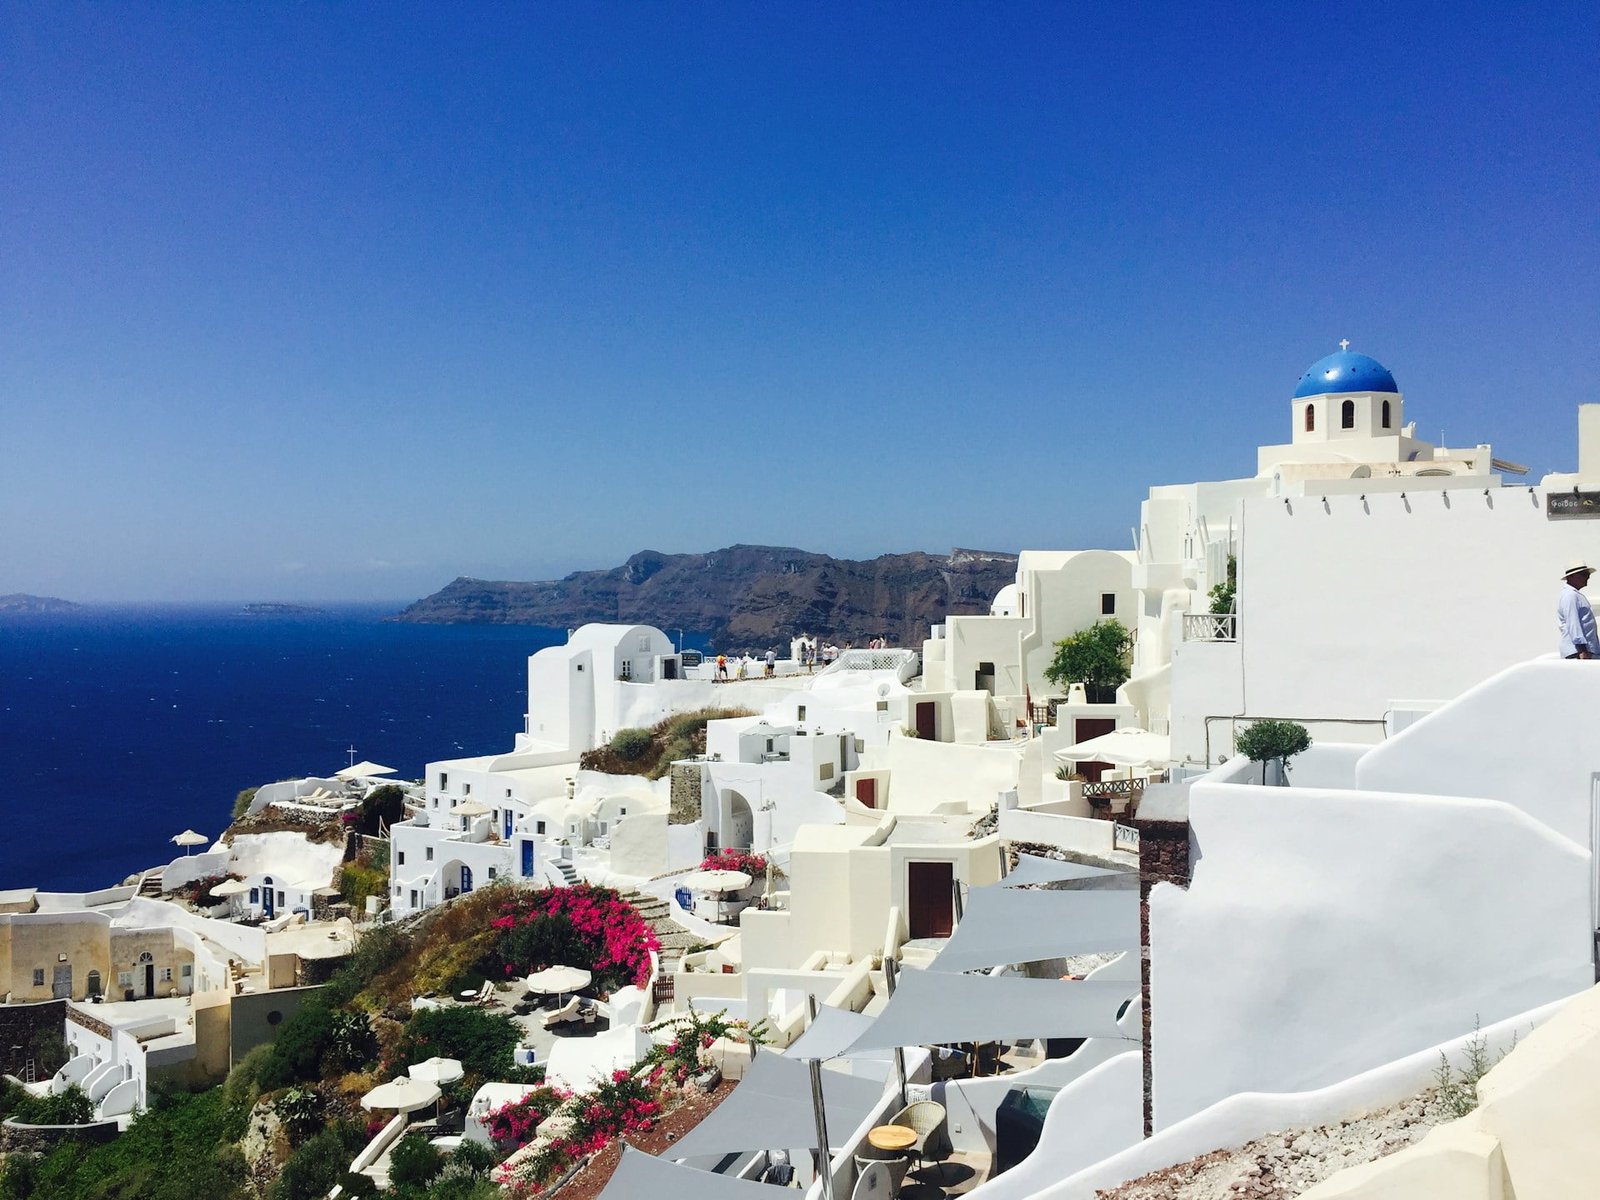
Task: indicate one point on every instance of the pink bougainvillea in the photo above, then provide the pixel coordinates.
(734, 860)
(578, 926)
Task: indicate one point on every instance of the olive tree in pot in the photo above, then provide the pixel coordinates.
(1273, 741)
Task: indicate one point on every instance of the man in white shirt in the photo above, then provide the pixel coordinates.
(1575, 617)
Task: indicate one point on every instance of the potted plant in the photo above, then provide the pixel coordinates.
(1273, 741)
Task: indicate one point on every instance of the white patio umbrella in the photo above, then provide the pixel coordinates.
(403, 1094)
(557, 981)
(231, 887)
(362, 770)
(189, 838)
(1129, 746)
(471, 808)
(436, 1070)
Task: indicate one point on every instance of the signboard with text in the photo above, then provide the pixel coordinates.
(1567, 505)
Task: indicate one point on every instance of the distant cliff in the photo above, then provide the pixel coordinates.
(21, 602)
(743, 596)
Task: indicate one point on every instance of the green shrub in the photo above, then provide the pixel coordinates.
(362, 878)
(241, 802)
(319, 1163)
(630, 745)
(474, 1157)
(481, 1041)
(1223, 594)
(414, 1161)
(315, 1041)
(71, 1107)
(301, 1111)
(1096, 657)
(376, 951)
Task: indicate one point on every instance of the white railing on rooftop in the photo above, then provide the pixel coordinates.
(901, 661)
(1211, 627)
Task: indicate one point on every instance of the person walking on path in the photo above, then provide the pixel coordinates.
(772, 662)
(1575, 617)
(722, 668)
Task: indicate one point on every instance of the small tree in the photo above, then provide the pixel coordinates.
(1096, 657)
(1268, 740)
(1222, 596)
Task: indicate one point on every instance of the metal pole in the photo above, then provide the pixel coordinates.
(824, 1155)
(955, 892)
(891, 977)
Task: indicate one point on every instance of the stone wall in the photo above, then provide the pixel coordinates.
(1163, 858)
(16, 1138)
(685, 794)
(20, 1027)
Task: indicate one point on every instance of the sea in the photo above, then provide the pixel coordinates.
(122, 726)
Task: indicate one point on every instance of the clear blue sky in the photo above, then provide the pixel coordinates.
(316, 302)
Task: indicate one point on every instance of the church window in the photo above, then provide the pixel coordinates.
(1108, 600)
(1386, 414)
(1311, 419)
(1347, 415)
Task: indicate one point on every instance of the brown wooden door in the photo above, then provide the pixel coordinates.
(1084, 728)
(926, 727)
(867, 792)
(930, 903)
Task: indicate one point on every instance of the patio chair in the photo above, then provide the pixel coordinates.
(870, 1158)
(926, 1118)
(567, 1012)
(875, 1181)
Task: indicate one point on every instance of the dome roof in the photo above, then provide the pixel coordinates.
(1345, 371)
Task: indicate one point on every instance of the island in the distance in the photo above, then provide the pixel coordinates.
(743, 595)
(21, 602)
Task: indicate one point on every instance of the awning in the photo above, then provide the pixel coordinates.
(1031, 870)
(363, 770)
(1012, 925)
(640, 1174)
(1128, 746)
(933, 1007)
(827, 1036)
(770, 1109)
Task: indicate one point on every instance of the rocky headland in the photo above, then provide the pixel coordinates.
(755, 595)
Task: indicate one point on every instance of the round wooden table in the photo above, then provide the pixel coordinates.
(893, 1138)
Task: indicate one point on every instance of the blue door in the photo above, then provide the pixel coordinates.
(527, 859)
(507, 834)
(466, 879)
(266, 896)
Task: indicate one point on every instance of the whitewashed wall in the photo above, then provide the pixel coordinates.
(1326, 932)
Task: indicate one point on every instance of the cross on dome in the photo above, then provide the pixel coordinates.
(1344, 343)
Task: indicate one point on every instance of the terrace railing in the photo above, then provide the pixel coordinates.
(1211, 627)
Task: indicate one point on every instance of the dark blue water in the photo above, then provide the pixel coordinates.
(119, 727)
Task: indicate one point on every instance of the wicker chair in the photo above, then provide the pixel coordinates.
(926, 1118)
(896, 1164)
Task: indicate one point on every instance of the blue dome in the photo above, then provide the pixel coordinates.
(1345, 371)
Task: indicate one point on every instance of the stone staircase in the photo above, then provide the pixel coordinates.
(566, 870)
(150, 883)
(675, 939)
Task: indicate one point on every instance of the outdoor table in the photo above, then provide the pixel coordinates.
(896, 1139)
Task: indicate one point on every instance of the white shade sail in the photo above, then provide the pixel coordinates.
(933, 1007)
(639, 1174)
(1031, 870)
(363, 769)
(770, 1109)
(403, 1094)
(436, 1070)
(829, 1035)
(1129, 746)
(231, 887)
(552, 981)
(716, 881)
(471, 808)
(1012, 925)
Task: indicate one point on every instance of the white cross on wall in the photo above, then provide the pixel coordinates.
(1344, 343)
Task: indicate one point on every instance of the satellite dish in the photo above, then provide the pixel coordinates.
(883, 689)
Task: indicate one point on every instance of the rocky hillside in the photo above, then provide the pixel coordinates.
(751, 596)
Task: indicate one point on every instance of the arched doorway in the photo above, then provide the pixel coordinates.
(739, 834)
(267, 907)
(94, 984)
(147, 968)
